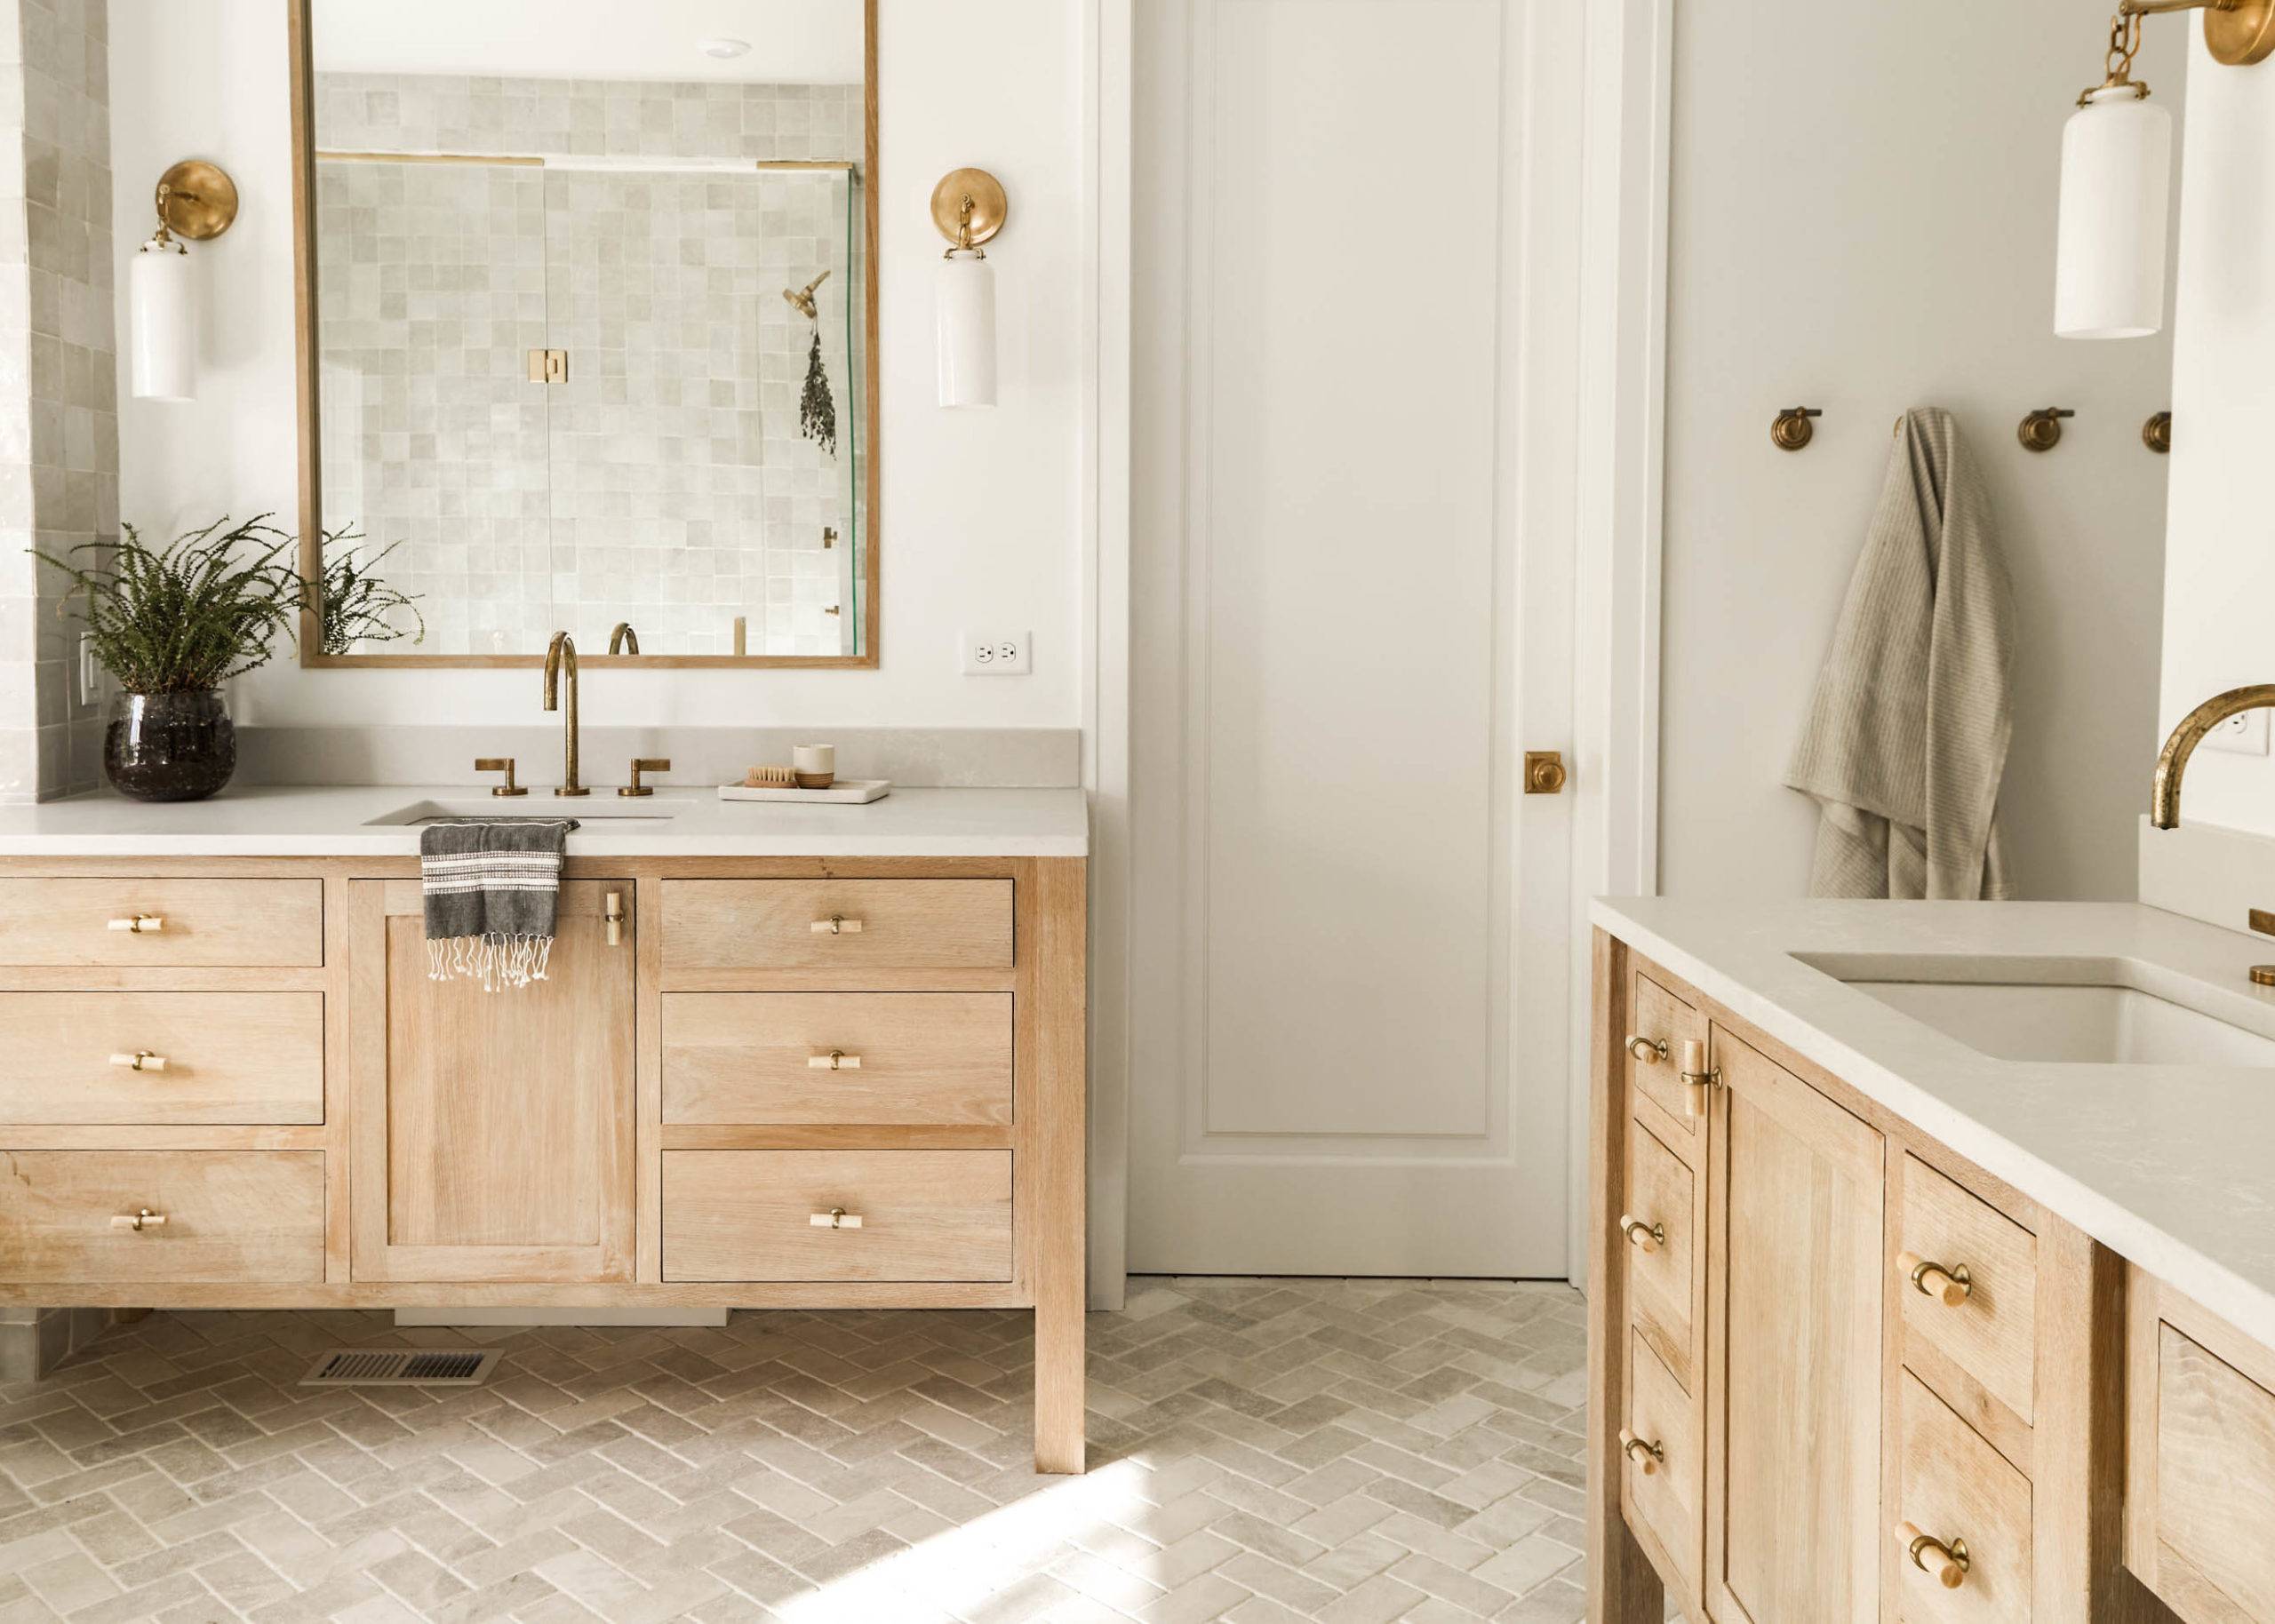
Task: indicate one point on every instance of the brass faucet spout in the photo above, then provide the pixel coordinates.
(2172, 761)
(624, 639)
(561, 652)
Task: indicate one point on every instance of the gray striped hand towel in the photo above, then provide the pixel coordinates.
(493, 887)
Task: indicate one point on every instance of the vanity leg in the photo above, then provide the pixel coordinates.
(1622, 1588)
(1061, 1235)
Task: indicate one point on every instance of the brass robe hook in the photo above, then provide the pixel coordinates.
(2041, 430)
(1792, 429)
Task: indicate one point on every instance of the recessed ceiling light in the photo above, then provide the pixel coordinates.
(724, 49)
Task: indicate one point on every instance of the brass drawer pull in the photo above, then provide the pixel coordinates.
(836, 1060)
(1697, 1077)
(835, 1218)
(1647, 1456)
(1650, 1051)
(1644, 1236)
(137, 1222)
(1947, 1562)
(1949, 1286)
(141, 1060)
(613, 913)
(141, 925)
(837, 924)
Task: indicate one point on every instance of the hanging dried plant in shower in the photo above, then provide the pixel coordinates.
(817, 411)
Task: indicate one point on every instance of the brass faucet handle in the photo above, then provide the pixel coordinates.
(645, 764)
(499, 764)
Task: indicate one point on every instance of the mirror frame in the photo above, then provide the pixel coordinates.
(306, 363)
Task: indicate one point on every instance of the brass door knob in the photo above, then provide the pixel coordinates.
(1643, 1236)
(1947, 1563)
(1647, 1456)
(1543, 771)
(1949, 1286)
(1650, 1051)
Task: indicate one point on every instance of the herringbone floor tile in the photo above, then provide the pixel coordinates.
(1361, 1450)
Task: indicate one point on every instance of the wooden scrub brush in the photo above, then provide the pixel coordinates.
(771, 778)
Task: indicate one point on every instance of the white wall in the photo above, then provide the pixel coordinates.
(984, 513)
(2220, 554)
(1863, 221)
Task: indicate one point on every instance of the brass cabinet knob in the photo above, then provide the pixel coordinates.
(1543, 771)
(1643, 1236)
(1950, 1287)
(1648, 1457)
(141, 924)
(837, 924)
(499, 764)
(141, 1060)
(835, 1218)
(645, 764)
(137, 1222)
(1650, 1051)
(836, 1060)
(1947, 1563)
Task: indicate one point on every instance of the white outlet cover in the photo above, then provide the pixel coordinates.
(2244, 734)
(997, 654)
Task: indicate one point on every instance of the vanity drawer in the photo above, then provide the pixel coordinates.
(714, 925)
(200, 923)
(1658, 1218)
(1991, 1331)
(1659, 1019)
(240, 1217)
(1957, 1488)
(244, 1057)
(924, 1214)
(885, 1058)
(1663, 1473)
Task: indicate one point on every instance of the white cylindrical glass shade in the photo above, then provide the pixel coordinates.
(2109, 278)
(162, 310)
(966, 308)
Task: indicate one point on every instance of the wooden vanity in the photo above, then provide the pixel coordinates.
(750, 1082)
(1838, 1374)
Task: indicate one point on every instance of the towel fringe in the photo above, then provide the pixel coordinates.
(495, 959)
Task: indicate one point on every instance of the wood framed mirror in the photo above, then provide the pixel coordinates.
(585, 298)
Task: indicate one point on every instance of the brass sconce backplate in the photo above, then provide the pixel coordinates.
(2243, 36)
(196, 200)
(978, 190)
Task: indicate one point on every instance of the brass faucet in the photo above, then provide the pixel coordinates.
(564, 651)
(2172, 761)
(624, 639)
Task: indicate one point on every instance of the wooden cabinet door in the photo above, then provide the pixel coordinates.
(493, 1130)
(1793, 1351)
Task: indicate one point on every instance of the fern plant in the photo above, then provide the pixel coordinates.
(355, 603)
(189, 616)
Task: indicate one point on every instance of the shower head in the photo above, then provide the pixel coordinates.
(803, 299)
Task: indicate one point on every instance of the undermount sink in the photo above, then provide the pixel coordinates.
(2079, 1011)
(585, 809)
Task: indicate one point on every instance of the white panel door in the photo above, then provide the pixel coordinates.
(1353, 290)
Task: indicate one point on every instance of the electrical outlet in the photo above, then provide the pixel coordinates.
(999, 654)
(2245, 734)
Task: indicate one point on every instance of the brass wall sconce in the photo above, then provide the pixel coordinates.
(969, 207)
(2236, 32)
(1792, 429)
(2156, 434)
(198, 201)
(2041, 430)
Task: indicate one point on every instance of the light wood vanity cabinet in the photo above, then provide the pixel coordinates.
(756, 1083)
(1841, 1376)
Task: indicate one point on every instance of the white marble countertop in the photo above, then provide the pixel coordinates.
(288, 822)
(2170, 1165)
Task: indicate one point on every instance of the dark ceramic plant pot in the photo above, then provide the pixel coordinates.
(170, 746)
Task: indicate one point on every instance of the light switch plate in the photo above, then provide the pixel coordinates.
(2244, 734)
(997, 654)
